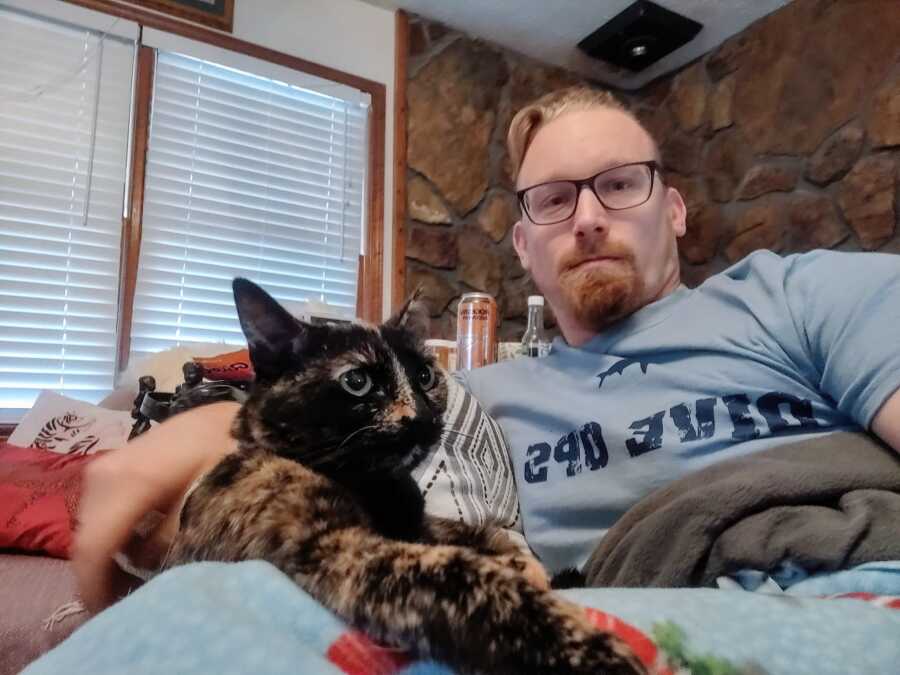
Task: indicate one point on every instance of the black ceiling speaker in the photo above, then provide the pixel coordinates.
(640, 35)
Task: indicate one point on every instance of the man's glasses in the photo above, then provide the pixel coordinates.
(622, 187)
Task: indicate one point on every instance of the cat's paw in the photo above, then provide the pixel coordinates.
(529, 567)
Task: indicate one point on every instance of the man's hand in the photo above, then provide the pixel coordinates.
(886, 423)
(149, 474)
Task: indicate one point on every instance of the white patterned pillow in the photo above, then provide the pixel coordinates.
(467, 475)
(69, 426)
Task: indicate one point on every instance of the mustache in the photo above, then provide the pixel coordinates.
(575, 258)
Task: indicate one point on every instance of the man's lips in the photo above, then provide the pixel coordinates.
(596, 260)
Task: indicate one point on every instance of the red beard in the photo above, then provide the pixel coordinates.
(600, 296)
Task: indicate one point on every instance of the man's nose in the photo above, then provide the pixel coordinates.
(590, 218)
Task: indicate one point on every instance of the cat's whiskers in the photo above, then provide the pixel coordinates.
(169, 550)
(330, 452)
(354, 433)
(311, 458)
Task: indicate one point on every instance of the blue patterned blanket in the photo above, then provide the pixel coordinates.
(249, 618)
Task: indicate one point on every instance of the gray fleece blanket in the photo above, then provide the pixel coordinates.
(825, 504)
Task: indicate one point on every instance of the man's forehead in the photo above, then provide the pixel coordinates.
(581, 143)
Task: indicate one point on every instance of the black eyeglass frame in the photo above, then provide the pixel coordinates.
(652, 164)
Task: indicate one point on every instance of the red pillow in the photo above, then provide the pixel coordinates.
(39, 493)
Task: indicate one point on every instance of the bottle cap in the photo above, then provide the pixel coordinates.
(536, 300)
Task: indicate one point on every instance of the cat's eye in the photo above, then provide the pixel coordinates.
(426, 378)
(356, 382)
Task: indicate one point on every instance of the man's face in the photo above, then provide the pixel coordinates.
(599, 265)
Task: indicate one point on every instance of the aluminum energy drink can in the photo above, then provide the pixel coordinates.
(476, 331)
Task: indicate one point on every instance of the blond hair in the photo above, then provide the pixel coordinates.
(529, 120)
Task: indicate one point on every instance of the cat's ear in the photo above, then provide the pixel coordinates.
(413, 316)
(271, 332)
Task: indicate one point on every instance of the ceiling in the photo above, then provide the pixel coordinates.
(549, 30)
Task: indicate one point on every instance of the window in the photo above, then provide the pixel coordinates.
(246, 176)
(65, 98)
(253, 165)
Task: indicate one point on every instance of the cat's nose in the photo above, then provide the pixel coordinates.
(401, 413)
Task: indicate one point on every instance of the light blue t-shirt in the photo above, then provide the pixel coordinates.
(774, 349)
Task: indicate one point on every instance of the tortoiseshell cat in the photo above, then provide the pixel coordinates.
(320, 488)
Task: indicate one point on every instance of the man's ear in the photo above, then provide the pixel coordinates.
(676, 211)
(413, 316)
(272, 333)
(520, 243)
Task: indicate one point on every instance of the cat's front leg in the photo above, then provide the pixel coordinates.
(462, 608)
(487, 540)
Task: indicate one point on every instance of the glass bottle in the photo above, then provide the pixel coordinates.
(534, 341)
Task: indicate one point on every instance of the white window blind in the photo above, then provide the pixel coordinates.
(65, 97)
(246, 176)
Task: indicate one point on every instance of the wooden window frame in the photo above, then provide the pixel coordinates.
(132, 222)
(371, 280)
(398, 259)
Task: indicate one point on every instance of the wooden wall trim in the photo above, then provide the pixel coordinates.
(373, 261)
(401, 54)
(132, 223)
(225, 41)
(5, 431)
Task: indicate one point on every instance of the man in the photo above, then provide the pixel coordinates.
(652, 381)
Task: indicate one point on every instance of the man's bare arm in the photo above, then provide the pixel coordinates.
(150, 474)
(886, 423)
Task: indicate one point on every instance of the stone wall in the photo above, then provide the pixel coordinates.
(462, 94)
(787, 137)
